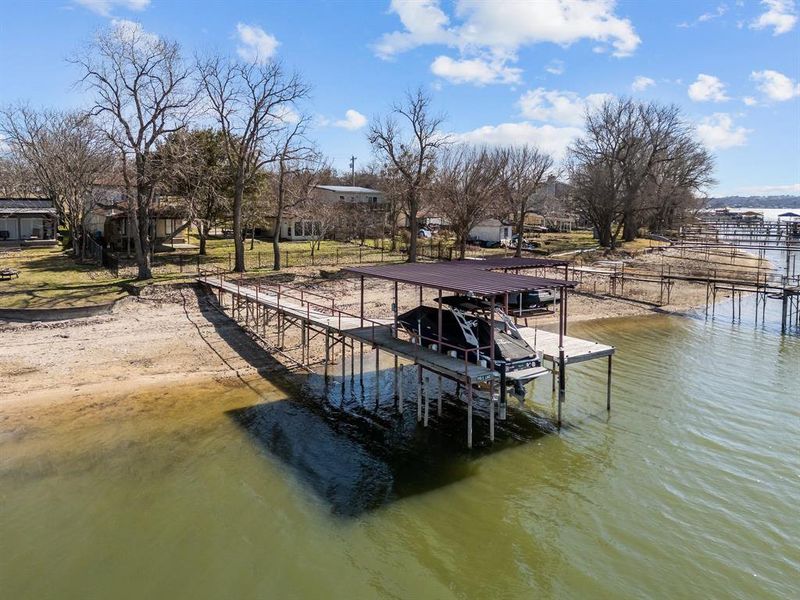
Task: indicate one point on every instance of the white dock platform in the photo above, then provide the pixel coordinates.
(575, 349)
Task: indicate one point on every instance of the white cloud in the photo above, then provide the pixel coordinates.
(708, 16)
(553, 140)
(491, 33)
(425, 23)
(775, 86)
(104, 7)
(719, 132)
(352, 120)
(555, 67)
(476, 71)
(129, 30)
(257, 46)
(790, 189)
(567, 108)
(287, 114)
(749, 101)
(780, 15)
(707, 88)
(718, 12)
(641, 83)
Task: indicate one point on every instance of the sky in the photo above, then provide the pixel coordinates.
(510, 72)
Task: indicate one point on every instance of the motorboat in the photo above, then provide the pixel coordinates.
(467, 325)
(525, 303)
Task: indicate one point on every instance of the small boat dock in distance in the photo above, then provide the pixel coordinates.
(473, 367)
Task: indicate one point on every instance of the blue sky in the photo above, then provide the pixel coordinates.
(511, 72)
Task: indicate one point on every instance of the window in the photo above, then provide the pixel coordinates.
(30, 227)
(8, 229)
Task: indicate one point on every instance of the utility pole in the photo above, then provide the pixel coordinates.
(353, 170)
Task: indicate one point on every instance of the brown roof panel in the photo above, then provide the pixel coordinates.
(459, 277)
(523, 262)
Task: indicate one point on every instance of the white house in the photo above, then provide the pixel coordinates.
(492, 230)
(348, 195)
(351, 194)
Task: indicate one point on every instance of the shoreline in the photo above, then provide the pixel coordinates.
(175, 335)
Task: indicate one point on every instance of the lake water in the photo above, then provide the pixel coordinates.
(690, 488)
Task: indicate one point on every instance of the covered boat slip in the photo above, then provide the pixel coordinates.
(468, 364)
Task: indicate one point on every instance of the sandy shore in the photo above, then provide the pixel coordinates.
(177, 335)
(170, 335)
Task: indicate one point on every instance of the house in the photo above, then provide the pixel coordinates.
(349, 194)
(550, 201)
(110, 221)
(28, 221)
(167, 221)
(492, 231)
(367, 202)
(427, 218)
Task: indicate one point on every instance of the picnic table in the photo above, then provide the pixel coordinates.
(8, 273)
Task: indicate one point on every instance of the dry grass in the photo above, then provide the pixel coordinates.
(50, 278)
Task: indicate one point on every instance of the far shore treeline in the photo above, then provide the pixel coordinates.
(232, 141)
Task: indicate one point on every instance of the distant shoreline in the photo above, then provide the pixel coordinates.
(774, 202)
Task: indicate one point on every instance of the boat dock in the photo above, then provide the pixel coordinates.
(272, 309)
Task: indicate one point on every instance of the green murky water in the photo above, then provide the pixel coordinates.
(690, 489)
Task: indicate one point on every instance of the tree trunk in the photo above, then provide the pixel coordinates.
(203, 233)
(252, 238)
(414, 227)
(238, 239)
(140, 243)
(276, 242)
(604, 234)
(630, 229)
(462, 247)
(393, 233)
(520, 231)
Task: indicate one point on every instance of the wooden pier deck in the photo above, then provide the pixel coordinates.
(576, 350)
(452, 368)
(378, 333)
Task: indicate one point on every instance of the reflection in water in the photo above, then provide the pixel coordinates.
(357, 454)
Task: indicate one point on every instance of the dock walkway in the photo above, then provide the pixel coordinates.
(378, 333)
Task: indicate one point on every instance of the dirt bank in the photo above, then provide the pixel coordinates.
(168, 336)
(173, 335)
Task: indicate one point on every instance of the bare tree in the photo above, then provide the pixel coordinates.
(143, 91)
(410, 146)
(678, 185)
(296, 171)
(65, 153)
(524, 169)
(631, 151)
(324, 218)
(253, 105)
(466, 187)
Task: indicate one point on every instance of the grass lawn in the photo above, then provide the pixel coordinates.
(49, 278)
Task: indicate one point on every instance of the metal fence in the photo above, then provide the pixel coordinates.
(99, 255)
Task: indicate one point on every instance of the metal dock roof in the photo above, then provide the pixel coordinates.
(463, 277)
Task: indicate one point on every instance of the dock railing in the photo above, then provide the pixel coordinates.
(284, 292)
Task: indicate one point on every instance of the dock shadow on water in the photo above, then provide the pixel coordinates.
(359, 455)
